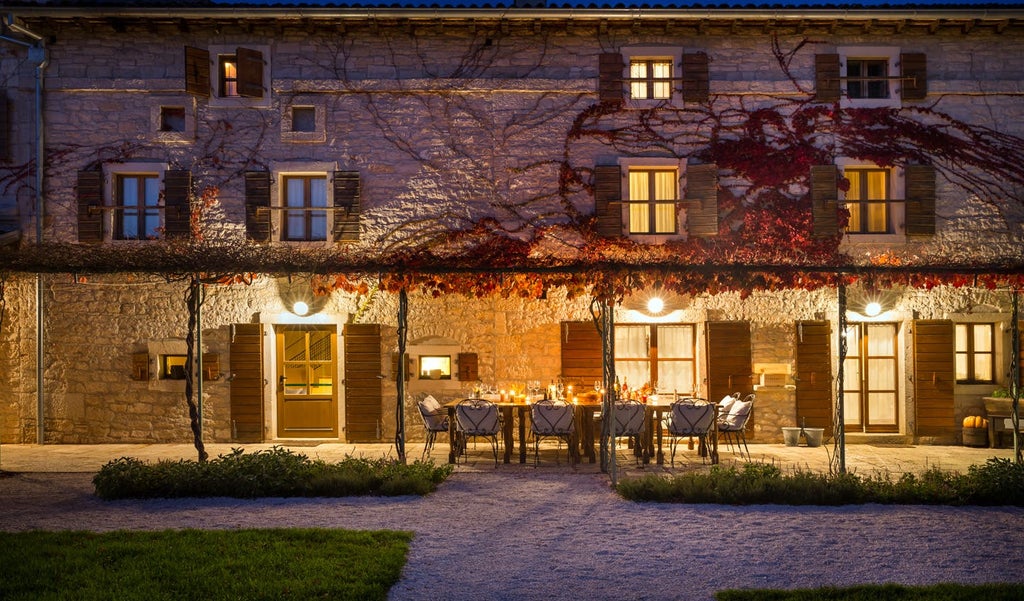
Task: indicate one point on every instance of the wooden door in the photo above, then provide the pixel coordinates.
(728, 355)
(364, 393)
(307, 367)
(934, 377)
(871, 378)
(246, 392)
(814, 375)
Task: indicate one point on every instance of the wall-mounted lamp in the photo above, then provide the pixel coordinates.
(655, 305)
(872, 309)
(300, 308)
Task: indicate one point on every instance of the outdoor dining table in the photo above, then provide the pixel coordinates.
(516, 407)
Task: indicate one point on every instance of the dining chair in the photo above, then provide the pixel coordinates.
(435, 420)
(479, 418)
(734, 424)
(630, 422)
(552, 419)
(687, 420)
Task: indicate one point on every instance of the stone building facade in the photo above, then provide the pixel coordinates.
(355, 133)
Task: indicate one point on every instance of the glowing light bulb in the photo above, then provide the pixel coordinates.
(872, 309)
(300, 308)
(655, 305)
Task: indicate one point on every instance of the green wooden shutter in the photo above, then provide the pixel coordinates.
(814, 375)
(177, 213)
(582, 363)
(250, 72)
(609, 84)
(934, 377)
(826, 77)
(695, 77)
(197, 71)
(364, 392)
(824, 200)
(914, 73)
(90, 200)
(702, 200)
(920, 211)
(607, 199)
(257, 205)
(246, 392)
(346, 200)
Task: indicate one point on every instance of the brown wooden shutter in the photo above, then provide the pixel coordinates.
(211, 366)
(257, 205)
(934, 377)
(364, 393)
(5, 127)
(409, 367)
(246, 393)
(468, 367)
(607, 196)
(197, 71)
(702, 200)
(346, 197)
(609, 85)
(920, 211)
(582, 363)
(250, 72)
(826, 77)
(90, 199)
(814, 375)
(695, 77)
(914, 74)
(177, 209)
(729, 361)
(824, 200)
(140, 366)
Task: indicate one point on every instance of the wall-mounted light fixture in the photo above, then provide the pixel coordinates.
(300, 308)
(655, 305)
(873, 309)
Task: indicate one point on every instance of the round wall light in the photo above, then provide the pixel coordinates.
(655, 305)
(872, 309)
(300, 308)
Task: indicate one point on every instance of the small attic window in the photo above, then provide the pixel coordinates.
(304, 119)
(172, 118)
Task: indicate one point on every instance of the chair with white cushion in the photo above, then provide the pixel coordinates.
(631, 422)
(479, 418)
(552, 419)
(435, 420)
(690, 419)
(734, 424)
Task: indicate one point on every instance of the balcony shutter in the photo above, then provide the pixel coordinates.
(729, 361)
(920, 200)
(257, 196)
(364, 389)
(914, 71)
(197, 71)
(346, 196)
(826, 77)
(246, 389)
(702, 200)
(934, 377)
(250, 72)
(609, 86)
(814, 374)
(90, 194)
(695, 77)
(607, 196)
(824, 200)
(177, 209)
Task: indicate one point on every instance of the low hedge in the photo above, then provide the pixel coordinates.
(276, 472)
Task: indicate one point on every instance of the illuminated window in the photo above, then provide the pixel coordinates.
(975, 353)
(305, 193)
(658, 355)
(867, 77)
(138, 199)
(650, 78)
(868, 201)
(436, 367)
(228, 76)
(172, 367)
(649, 186)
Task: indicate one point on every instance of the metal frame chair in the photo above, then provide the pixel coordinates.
(435, 420)
(734, 424)
(479, 418)
(631, 421)
(689, 419)
(552, 419)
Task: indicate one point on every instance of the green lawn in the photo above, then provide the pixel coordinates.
(201, 564)
(885, 592)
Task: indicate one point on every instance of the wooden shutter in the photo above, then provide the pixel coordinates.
(729, 361)
(920, 211)
(177, 209)
(582, 363)
(250, 72)
(607, 196)
(609, 85)
(197, 71)
(364, 393)
(246, 393)
(826, 78)
(5, 127)
(702, 200)
(140, 366)
(695, 77)
(409, 367)
(814, 375)
(468, 367)
(914, 74)
(824, 200)
(90, 195)
(934, 377)
(346, 199)
(257, 205)
(211, 366)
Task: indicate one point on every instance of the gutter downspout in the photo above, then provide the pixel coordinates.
(37, 53)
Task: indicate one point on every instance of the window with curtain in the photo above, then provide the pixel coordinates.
(650, 187)
(305, 193)
(868, 201)
(138, 195)
(975, 353)
(650, 79)
(661, 355)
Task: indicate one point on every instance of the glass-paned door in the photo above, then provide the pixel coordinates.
(307, 399)
(661, 356)
(870, 389)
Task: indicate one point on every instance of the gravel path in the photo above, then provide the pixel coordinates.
(524, 534)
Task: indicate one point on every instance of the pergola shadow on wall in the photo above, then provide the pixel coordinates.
(605, 282)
